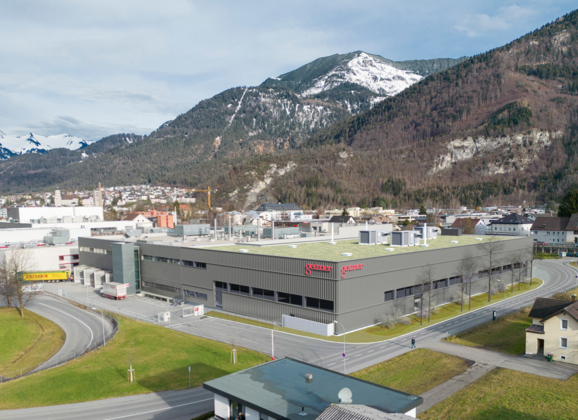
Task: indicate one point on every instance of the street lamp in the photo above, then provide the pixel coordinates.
(94, 308)
(500, 281)
(343, 345)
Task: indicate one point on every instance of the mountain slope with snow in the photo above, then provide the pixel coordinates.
(365, 70)
(34, 143)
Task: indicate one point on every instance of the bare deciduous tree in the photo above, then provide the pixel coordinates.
(467, 269)
(14, 263)
(425, 281)
(491, 247)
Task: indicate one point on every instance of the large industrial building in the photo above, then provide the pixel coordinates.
(301, 280)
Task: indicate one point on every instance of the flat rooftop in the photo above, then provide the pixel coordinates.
(280, 389)
(327, 252)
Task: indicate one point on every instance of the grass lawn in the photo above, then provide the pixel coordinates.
(26, 342)
(378, 333)
(546, 256)
(504, 394)
(160, 357)
(415, 372)
(326, 252)
(507, 334)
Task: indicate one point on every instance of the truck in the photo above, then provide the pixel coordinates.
(114, 290)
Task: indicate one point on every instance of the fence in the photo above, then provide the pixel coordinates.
(64, 358)
(232, 316)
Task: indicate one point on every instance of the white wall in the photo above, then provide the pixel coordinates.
(28, 213)
(221, 406)
(553, 237)
(308, 326)
(251, 414)
(47, 258)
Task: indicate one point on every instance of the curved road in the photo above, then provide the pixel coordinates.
(187, 404)
(83, 329)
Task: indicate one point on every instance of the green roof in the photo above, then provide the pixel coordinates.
(326, 252)
(280, 389)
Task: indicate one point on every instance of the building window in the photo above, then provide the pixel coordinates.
(564, 324)
(263, 294)
(563, 357)
(241, 290)
(388, 296)
(289, 298)
(202, 296)
(194, 264)
(455, 280)
(220, 285)
(161, 287)
(563, 343)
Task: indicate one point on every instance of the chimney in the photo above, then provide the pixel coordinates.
(574, 298)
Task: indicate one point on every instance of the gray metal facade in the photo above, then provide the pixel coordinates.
(357, 295)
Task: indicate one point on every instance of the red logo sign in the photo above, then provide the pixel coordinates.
(350, 267)
(316, 267)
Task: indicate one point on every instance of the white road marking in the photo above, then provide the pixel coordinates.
(330, 364)
(160, 409)
(62, 312)
(371, 351)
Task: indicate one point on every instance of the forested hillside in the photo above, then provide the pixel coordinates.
(499, 127)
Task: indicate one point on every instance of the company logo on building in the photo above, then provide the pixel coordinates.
(350, 267)
(316, 267)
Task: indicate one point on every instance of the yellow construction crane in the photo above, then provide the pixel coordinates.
(208, 191)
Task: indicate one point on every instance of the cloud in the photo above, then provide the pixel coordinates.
(481, 24)
(94, 68)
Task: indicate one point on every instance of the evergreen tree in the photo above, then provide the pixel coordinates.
(569, 204)
(422, 210)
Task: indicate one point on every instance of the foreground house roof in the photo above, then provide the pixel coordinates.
(550, 223)
(512, 219)
(546, 307)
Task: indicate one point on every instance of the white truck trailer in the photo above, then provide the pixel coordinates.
(114, 290)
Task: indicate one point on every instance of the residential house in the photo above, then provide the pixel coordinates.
(139, 220)
(470, 226)
(69, 200)
(554, 230)
(279, 211)
(512, 225)
(342, 219)
(236, 217)
(554, 329)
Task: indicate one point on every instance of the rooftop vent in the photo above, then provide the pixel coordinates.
(308, 378)
(347, 254)
(243, 250)
(345, 396)
(292, 246)
(479, 239)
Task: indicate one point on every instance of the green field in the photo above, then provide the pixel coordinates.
(160, 357)
(26, 342)
(415, 372)
(378, 333)
(504, 394)
(326, 252)
(546, 256)
(507, 334)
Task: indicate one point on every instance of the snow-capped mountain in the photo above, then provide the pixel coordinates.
(367, 71)
(34, 143)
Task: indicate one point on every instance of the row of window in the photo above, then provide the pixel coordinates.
(202, 296)
(172, 289)
(438, 284)
(186, 263)
(298, 300)
(95, 250)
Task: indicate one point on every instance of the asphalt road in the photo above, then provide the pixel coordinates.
(83, 329)
(556, 276)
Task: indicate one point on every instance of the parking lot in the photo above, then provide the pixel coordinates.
(137, 307)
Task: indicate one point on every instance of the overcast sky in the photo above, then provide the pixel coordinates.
(95, 68)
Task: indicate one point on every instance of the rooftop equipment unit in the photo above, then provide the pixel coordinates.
(372, 237)
(403, 238)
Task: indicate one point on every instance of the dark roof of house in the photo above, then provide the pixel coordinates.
(512, 219)
(358, 412)
(68, 196)
(537, 329)
(340, 219)
(573, 222)
(572, 310)
(545, 307)
(461, 222)
(278, 207)
(408, 227)
(550, 223)
(280, 389)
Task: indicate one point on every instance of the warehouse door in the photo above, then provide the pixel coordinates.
(219, 298)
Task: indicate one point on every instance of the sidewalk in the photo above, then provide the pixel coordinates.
(555, 370)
